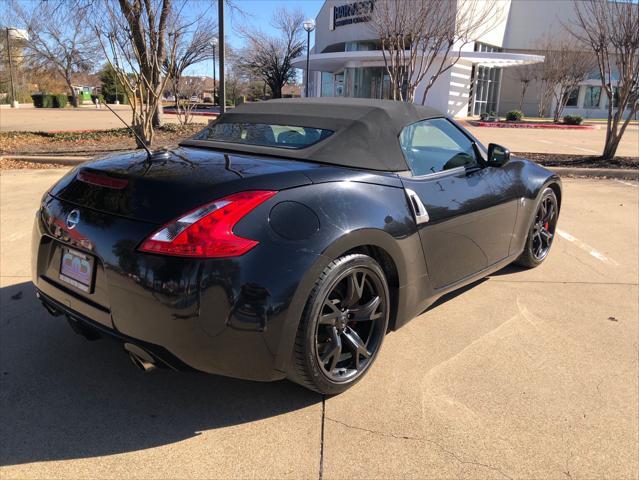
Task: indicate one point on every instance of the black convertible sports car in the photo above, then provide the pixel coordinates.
(287, 238)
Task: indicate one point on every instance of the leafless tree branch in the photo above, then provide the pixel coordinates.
(611, 30)
(422, 39)
(58, 40)
(269, 57)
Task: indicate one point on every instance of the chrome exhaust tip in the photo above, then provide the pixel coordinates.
(140, 358)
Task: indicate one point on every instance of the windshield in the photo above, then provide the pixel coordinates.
(267, 135)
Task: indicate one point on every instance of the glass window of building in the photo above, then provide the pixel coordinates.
(327, 84)
(339, 85)
(485, 90)
(592, 97)
(362, 46)
(485, 84)
(365, 82)
(573, 97)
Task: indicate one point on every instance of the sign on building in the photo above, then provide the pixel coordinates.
(350, 13)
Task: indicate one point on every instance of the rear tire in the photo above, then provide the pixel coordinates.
(541, 232)
(343, 325)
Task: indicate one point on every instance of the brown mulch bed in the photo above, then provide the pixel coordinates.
(87, 143)
(579, 161)
(8, 164)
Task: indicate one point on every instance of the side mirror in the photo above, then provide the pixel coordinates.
(497, 155)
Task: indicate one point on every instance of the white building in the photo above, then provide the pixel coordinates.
(346, 60)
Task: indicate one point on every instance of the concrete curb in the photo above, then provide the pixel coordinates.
(618, 173)
(53, 159)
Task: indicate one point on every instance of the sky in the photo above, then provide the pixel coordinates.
(258, 15)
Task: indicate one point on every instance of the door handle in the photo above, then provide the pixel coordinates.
(421, 214)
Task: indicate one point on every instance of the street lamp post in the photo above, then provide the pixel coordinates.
(14, 102)
(309, 26)
(220, 33)
(213, 45)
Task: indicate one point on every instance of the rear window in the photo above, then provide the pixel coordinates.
(266, 135)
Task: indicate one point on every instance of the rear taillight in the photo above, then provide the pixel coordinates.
(207, 231)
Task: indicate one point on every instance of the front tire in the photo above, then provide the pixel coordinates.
(343, 325)
(542, 230)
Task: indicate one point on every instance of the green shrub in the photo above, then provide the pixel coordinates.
(514, 116)
(573, 119)
(47, 100)
(111, 98)
(37, 100)
(60, 100)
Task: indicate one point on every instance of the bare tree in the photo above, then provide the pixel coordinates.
(192, 46)
(422, 39)
(269, 57)
(545, 77)
(611, 30)
(570, 66)
(525, 75)
(139, 39)
(58, 40)
(236, 78)
(183, 89)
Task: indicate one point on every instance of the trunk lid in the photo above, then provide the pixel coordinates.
(172, 182)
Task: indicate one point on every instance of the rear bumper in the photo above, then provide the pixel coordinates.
(161, 356)
(233, 317)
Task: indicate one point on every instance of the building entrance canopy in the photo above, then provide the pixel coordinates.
(335, 61)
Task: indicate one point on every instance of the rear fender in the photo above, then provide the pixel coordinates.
(360, 215)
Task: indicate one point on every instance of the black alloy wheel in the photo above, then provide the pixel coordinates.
(542, 230)
(344, 325)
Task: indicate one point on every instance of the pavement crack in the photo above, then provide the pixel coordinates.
(422, 439)
(321, 460)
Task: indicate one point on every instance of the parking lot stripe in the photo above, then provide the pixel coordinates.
(586, 150)
(626, 183)
(584, 246)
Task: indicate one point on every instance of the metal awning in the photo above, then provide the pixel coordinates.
(335, 61)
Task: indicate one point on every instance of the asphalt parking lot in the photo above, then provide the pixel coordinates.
(527, 374)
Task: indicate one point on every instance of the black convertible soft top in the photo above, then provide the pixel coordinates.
(365, 131)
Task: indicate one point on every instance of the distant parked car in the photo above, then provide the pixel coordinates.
(170, 98)
(194, 98)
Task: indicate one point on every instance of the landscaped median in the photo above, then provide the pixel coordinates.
(84, 144)
(625, 168)
(559, 126)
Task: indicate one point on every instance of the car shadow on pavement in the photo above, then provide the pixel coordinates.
(508, 270)
(63, 397)
(455, 293)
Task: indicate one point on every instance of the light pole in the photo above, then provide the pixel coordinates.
(117, 100)
(220, 34)
(309, 26)
(213, 46)
(14, 102)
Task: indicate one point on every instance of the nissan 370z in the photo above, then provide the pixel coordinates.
(287, 238)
